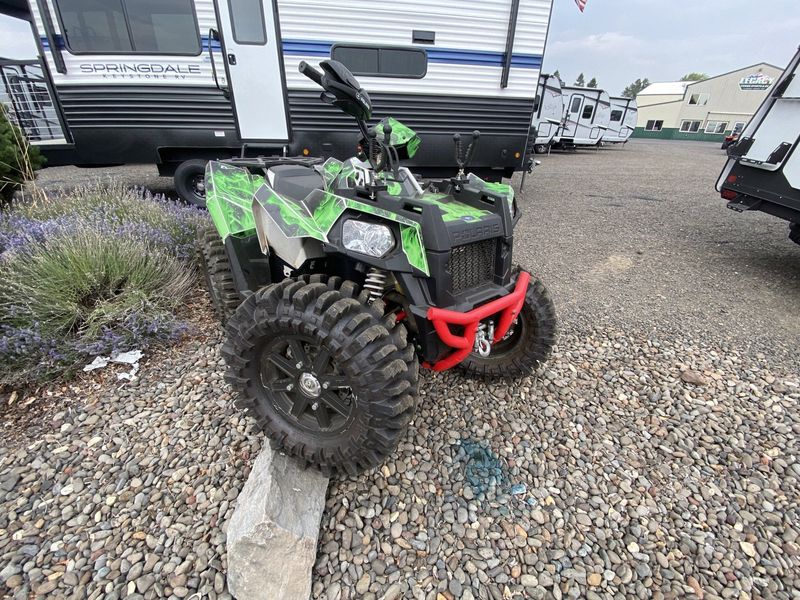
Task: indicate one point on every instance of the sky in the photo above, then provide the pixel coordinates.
(619, 41)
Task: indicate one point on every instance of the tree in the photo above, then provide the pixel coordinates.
(637, 86)
(694, 77)
(580, 81)
(557, 75)
(592, 83)
(18, 159)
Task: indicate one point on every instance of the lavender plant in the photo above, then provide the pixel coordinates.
(92, 272)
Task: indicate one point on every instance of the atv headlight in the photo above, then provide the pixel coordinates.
(367, 238)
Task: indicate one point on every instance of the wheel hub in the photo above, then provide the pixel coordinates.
(309, 385)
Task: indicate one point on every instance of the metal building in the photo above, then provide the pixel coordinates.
(705, 110)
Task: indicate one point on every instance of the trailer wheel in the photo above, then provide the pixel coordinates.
(528, 343)
(329, 379)
(794, 232)
(190, 182)
(540, 149)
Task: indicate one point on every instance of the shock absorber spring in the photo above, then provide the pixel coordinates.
(375, 282)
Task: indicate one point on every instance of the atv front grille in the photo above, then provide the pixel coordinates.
(472, 264)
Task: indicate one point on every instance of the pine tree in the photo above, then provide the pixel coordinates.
(580, 81)
(557, 75)
(18, 159)
(592, 83)
(637, 86)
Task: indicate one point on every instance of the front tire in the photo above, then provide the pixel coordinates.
(529, 342)
(329, 379)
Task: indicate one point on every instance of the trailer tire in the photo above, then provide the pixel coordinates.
(216, 269)
(530, 343)
(540, 149)
(329, 379)
(189, 182)
(794, 232)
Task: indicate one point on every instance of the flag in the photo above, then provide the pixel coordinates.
(581, 4)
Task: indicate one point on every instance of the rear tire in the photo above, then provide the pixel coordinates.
(530, 343)
(189, 181)
(216, 269)
(329, 379)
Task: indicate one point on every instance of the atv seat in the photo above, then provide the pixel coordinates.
(295, 181)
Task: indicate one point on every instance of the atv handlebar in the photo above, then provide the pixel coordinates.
(310, 72)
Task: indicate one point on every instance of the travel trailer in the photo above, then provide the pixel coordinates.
(189, 80)
(587, 115)
(622, 120)
(763, 168)
(549, 113)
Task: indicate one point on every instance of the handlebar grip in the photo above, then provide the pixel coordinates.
(310, 72)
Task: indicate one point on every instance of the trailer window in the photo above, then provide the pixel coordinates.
(247, 22)
(576, 104)
(377, 61)
(616, 115)
(129, 26)
(587, 111)
(691, 126)
(716, 127)
(738, 127)
(654, 125)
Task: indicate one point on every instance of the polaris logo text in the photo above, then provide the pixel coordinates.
(475, 233)
(139, 70)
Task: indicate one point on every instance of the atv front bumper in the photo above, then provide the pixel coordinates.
(508, 307)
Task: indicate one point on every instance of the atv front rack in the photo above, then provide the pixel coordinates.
(508, 306)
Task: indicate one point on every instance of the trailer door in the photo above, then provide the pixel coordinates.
(573, 115)
(771, 141)
(251, 47)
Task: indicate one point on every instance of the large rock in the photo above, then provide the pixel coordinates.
(272, 536)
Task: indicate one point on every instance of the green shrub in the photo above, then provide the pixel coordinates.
(92, 272)
(18, 159)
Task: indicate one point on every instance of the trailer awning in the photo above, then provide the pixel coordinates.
(15, 8)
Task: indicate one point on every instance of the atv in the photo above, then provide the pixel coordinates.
(336, 278)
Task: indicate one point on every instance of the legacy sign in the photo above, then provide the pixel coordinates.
(755, 81)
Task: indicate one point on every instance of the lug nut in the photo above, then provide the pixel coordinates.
(315, 406)
(326, 385)
(299, 365)
(289, 387)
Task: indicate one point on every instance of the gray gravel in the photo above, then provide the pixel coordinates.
(124, 491)
(656, 456)
(636, 235)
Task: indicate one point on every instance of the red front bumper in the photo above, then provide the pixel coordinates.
(509, 306)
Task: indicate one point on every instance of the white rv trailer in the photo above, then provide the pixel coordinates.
(171, 81)
(587, 114)
(763, 167)
(622, 120)
(548, 112)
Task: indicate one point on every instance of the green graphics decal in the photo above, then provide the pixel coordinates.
(501, 189)
(453, 210)
(401, 135)
(229, 198)
(295, 219)
(330, 169)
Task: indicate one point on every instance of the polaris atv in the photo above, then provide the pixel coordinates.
(336, 278)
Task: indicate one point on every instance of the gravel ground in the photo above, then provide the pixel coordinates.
(656, 456)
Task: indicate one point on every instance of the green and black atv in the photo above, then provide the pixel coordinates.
(336, 279)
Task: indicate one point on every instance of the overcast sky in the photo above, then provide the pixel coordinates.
(619, 41)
